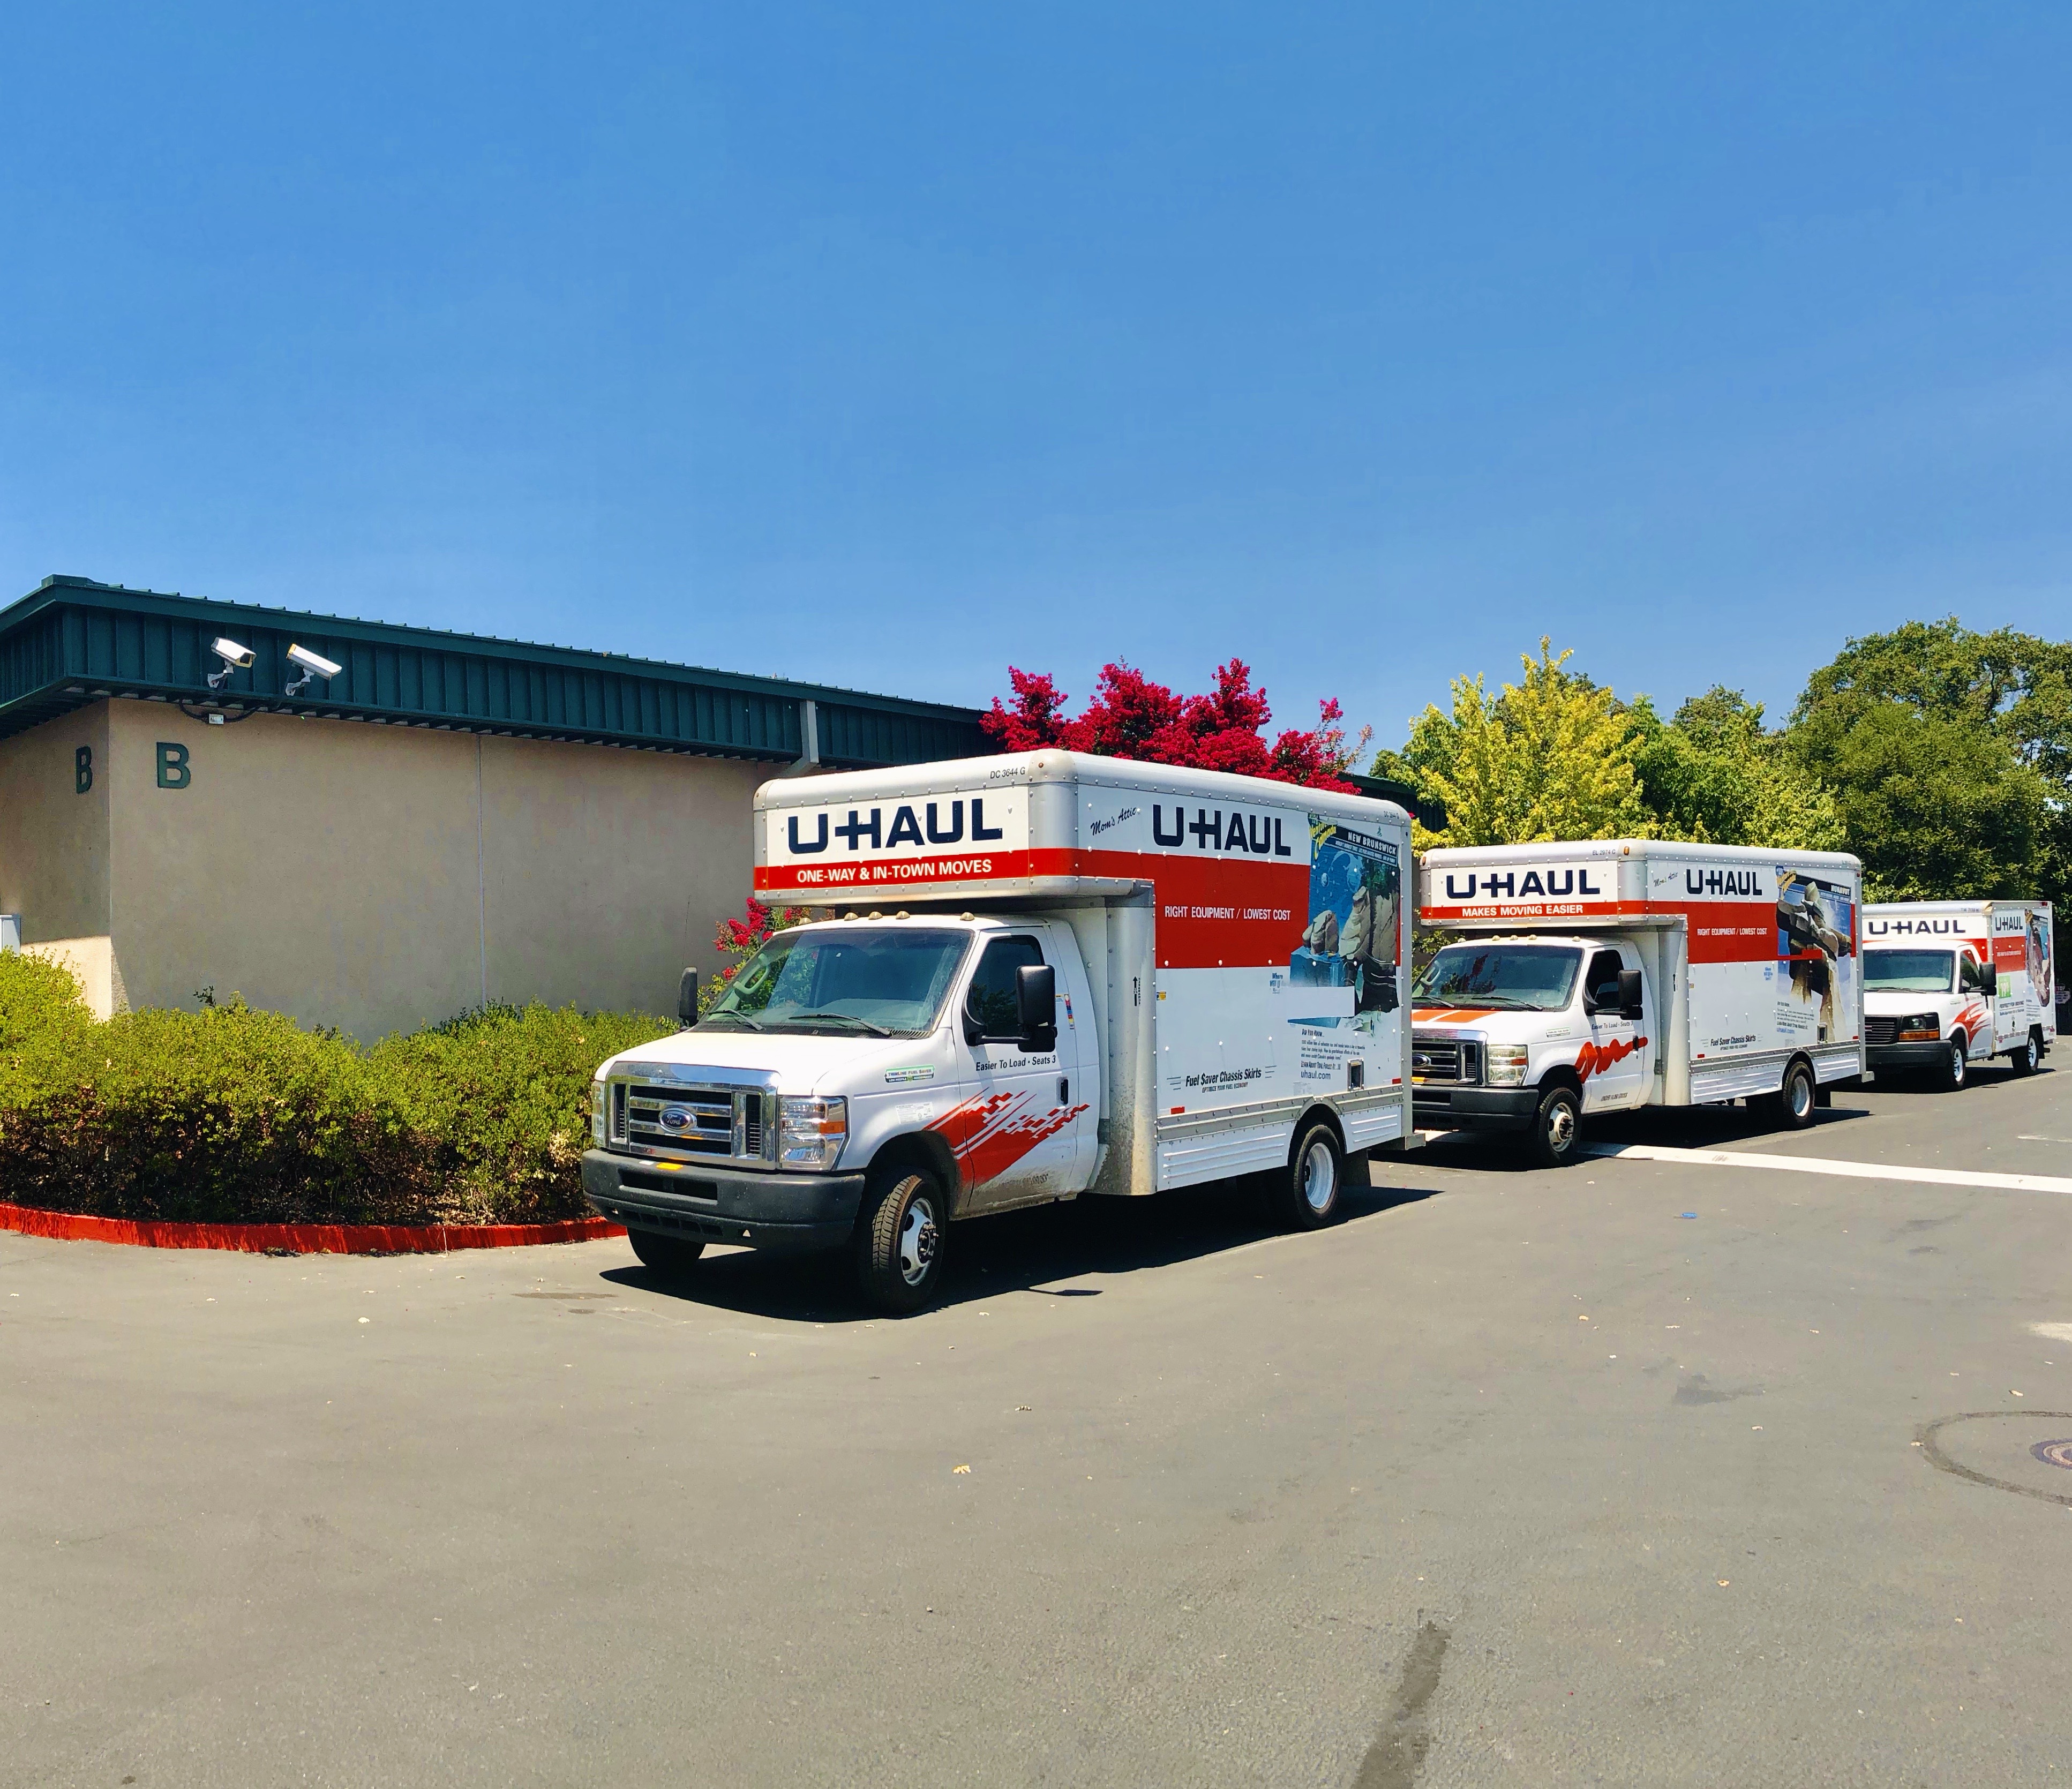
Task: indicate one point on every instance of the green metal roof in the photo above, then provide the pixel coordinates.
(72, 641)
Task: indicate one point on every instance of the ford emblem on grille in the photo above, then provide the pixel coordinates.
(678, 1119)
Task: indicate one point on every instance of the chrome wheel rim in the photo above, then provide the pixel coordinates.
(1956, 1065)
(1320, 1176)
(1561, 1126)
(918, 1237)
(1801, 1096)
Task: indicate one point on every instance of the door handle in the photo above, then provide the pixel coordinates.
(1064, 1090)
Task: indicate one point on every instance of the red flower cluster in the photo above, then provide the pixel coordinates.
(741, 939)
(1132, 716)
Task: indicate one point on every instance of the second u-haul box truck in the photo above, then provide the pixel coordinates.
(1947, 982)
(1616, 973)
(1034, 977)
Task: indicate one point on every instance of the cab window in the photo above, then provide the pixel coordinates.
(990, 1005)
(1600, 985)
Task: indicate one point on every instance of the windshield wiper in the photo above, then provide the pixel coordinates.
(1504, 1002)
(835, 1019)
(737, 1019)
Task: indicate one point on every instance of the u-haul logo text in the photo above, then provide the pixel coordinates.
(944, 824)
(1716, 882)
(1216, 830)
(1529, 885)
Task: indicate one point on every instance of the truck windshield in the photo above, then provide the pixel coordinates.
(1893, 972)
(875, 981)
(1520, 978)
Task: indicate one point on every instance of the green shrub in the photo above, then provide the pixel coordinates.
(505, 1091)
(234, 1115)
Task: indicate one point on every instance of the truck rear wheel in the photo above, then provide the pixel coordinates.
(670, 1257)
(1556, 1137)
(2029, 1057)
(1799, 1098)
(1307, 1196)
(899, 1239)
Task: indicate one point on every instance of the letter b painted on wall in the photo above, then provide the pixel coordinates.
(173, 771)
(82, 769)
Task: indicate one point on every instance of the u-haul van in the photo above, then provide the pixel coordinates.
(1615, 973)
(1029, 977)
(1947, 982)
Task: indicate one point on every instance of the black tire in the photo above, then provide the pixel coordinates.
(1556, 1137)
(1799, 1100)
(670, 1257)
(1956, 1067)
(1306, 1193)
(2029, 1057)
(899, 1236)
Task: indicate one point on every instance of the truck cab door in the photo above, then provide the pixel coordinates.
(1017, 1135)
(1976, 1013)
(1614, 1065)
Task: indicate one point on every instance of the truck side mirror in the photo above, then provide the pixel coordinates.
(1036, 1006)
(1631, 1003)
(687, 999)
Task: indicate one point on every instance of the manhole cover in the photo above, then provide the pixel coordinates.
(2022, 1451)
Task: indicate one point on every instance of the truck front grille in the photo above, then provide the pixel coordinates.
(1881, 1030)
(667, 1118)
(1457, 1060)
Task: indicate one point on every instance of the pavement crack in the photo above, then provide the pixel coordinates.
(1393, 1760)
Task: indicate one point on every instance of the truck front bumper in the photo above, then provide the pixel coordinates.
(1475, 1108)
(773, 1209)
(1905, 1056)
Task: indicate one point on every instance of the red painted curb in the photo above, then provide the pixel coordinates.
(302, 1239)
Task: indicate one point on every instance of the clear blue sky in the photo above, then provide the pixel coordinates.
(887, 345)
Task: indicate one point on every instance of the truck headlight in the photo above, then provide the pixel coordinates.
(811, 1132)
(1507, 1064)
(1921, 1028)
(597, 1110)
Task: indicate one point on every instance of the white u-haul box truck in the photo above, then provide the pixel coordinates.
(1037, 976)
(1947, 982)
(1618, 974)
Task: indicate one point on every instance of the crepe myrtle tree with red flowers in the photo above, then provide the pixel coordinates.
(1132, 716)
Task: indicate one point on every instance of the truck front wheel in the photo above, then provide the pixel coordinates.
(670, 1257)
(1315, 1176)
(1556, 1137)
(899, 1239)
(1956, 1065)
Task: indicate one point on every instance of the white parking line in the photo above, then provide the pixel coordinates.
(1852, 1171)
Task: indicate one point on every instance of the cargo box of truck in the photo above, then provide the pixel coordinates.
(1611, 974)
(1028, 977)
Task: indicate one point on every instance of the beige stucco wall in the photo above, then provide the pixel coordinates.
(375, 878)
(91, 961)
(607, 870)
(53, 840)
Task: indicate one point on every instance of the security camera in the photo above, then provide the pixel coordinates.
(234, 658)
(314, 664)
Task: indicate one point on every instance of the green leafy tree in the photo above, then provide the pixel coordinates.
(1549, 758)
(1951, 754)
(1713, 773)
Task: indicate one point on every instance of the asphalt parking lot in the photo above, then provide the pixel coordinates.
(1647, 1472)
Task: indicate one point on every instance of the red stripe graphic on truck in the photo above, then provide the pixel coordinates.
(1213, 912)
(989, 1134)
(1594, 1056)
